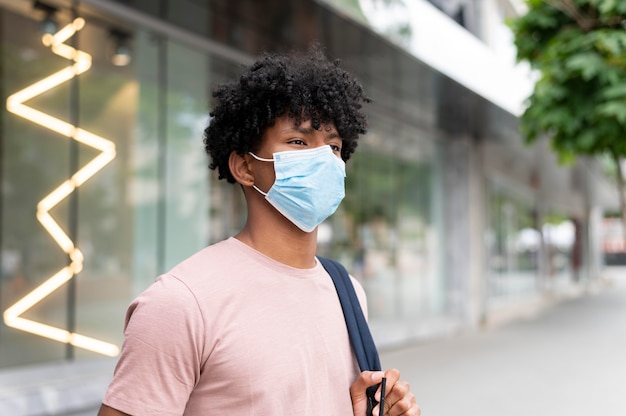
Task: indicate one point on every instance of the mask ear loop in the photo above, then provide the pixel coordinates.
(262, 159)
(259, 191)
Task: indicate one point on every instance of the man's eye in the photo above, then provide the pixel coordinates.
(335, 148)
(297, 141)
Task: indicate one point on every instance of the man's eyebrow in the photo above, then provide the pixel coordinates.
(299, 129)
(309, 130)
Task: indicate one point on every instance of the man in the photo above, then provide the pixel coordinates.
(252, 325)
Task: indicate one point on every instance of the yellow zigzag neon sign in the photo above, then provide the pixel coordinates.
(15, 104)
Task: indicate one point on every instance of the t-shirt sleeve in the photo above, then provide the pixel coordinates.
(162, 352)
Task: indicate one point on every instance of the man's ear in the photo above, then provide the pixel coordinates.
(240, 168)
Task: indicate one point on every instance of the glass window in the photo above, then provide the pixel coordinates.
(107, 107)
(142, 204)
(563, 253)
(386, 231)
(186, 164)
(35, 161)
(513, 244)
(147, 200)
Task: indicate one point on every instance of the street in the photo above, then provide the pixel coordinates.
(568, 361)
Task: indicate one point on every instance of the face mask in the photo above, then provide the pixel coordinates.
(309, 185)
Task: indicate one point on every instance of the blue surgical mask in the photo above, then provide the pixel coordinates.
(309, 185)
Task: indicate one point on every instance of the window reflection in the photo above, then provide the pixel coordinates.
(385, 231)
(562, 239)
(513, 244)
(529, 253)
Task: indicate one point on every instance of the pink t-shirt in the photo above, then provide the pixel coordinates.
(230, 331)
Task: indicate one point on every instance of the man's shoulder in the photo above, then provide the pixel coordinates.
(214, 257)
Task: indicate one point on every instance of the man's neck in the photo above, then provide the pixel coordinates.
(285, 245)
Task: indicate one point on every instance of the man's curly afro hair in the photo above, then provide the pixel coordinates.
(304, 86)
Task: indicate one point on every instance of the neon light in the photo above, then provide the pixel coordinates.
(15, 104)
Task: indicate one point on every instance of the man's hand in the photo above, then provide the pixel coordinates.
(398, 398)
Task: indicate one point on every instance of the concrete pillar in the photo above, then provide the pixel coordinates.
(464, 207)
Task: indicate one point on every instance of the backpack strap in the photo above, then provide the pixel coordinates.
(358, 330)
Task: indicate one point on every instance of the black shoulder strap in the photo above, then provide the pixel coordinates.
(358, 330)
(360, 336)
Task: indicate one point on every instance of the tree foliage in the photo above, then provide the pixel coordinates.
(578, 48)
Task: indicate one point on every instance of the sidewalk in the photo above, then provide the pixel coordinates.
(568, 361)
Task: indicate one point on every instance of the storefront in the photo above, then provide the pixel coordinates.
(105, 180)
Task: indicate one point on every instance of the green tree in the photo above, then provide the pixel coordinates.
(578, 48)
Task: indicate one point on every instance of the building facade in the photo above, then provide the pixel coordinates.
(449, 218)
